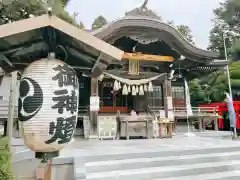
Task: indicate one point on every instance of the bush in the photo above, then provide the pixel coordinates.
(5, 160)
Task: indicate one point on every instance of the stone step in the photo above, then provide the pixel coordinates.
(164, 165)
(151, 154)
(179, 171)
(126, 164)
(234, 175)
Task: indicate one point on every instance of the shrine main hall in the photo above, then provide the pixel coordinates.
(137, 62)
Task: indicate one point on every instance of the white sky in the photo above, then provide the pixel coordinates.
(197, 14)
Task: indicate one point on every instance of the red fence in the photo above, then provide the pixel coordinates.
(222, 108)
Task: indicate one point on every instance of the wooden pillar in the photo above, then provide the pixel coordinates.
(168, 102)
(43, 171)
(220, 120)
(237, 115)
(11, 107)
(200, 124)
(93, 116)
(216, 123)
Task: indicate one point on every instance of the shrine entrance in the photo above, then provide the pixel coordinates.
(111, 101)
(131, 102)
(117, 93)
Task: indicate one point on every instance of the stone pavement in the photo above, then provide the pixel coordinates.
(82, 147)
(201, 140)
(206, 156)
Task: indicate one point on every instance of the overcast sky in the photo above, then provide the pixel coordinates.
(197, 14)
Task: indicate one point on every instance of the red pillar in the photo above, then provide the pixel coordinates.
(237, 116)
(220, 119)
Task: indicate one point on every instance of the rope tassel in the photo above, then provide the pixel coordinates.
(124, 90)
(134, 91)
(141, 91)
(145, 87)
(150, 87)
(115, 86)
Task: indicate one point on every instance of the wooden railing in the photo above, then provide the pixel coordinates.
(83, 109)
(153, 111)
(182, 111)
(150, 112)
(4, 110)
(196, 111)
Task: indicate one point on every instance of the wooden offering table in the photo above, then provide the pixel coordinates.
(204, 119)
(165, 124)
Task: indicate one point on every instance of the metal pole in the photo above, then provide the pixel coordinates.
(229, 80)
(227, 68)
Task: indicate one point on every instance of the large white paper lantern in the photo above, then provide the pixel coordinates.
(48, 105)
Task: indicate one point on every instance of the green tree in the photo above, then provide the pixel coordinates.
(217, 84)
(5, 160)
(99, 22)
(230, 13)
(65, 2)
(186, 33)
(226, 25)
(21, 9)
(197, 93)
(235, 77)
(184, 30)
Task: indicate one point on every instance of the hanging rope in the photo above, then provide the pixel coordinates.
(133, 82)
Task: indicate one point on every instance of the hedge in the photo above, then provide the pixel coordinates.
(5, 160)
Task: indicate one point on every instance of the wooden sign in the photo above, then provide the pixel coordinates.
(147, 57)
(94, 103)
(133, 67)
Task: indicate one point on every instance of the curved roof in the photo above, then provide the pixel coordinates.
(143, 21)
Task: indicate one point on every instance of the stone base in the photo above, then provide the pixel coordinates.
(86, 126)
(46, 155)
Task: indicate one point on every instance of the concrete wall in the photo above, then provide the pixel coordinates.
(25, 169)
(62, 168)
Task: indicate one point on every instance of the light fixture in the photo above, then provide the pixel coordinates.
(174, 79)
(182, 58)
(51, 55)
(180, 76)
(171, 74)
(100, 78)
(84, 75)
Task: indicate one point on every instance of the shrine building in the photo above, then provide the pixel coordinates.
(137, 62)
(154, 51)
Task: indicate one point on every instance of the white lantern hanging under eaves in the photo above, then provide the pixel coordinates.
(48, 105)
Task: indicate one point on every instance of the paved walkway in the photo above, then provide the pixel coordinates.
(80, 147)
(83, 147)
(202, 140)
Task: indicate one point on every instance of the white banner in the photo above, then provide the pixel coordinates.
(187, 99)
